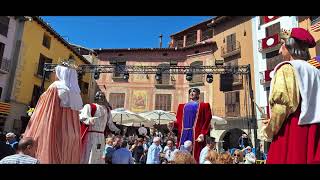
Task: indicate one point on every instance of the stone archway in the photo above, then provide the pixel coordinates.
(230, 138)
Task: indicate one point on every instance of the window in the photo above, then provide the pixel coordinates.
(196, 78)
(236, 77)
(178, 41)
(46, 41)
(35, 95)
(116, 100)
(317, 48)
(272, 54)
(273, 59)
(191, 38)
(71, 56)
(43, 59)
(231, 42)
(232, 103)
(119, 67)
(273, 29)
(4, 25)
(207, 34)
(165, 76)
(1, 51)
(84, 87)
(163, 102)
(314, 19)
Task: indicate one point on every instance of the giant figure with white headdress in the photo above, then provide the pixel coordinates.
(95, 118)
(55, 122)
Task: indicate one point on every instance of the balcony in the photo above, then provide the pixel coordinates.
(166, 82)
(265, 78)
(266, 19)
(5, 66)
(228, 50)
(39, 72)
(274, 61)
(269, 44)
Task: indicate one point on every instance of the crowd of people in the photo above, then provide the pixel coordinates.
(153, 149)
(134, 149)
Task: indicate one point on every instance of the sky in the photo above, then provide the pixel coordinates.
(120, 31)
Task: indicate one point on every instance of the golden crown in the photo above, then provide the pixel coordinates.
(70, 63)
(285, 34)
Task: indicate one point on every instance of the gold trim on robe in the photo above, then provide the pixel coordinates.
(284, 99)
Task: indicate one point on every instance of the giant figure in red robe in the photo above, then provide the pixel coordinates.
(193, 122)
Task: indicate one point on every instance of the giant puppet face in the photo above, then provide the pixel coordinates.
(194, 94)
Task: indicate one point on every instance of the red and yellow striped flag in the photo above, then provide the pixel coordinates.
(314, 63)
(315, 27)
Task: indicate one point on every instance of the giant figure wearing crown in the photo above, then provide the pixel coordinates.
(193, 122)
(54, 123)
(294, 100)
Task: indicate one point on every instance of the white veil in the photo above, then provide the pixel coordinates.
(68, 87)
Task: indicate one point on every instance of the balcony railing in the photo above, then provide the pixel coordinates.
(165, 82)
(237, 80)
(265, 77)
(274, 61)
(5, 65)
(269, 43)
(228, 50)
(266, 19)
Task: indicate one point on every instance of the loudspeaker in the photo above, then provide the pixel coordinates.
(226, 81)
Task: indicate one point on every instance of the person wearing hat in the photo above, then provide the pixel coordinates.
(12, 141)
(193, 122)
(294, 101)
(95, 118)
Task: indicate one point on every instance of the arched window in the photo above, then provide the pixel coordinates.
(165, 76)
(196, 78)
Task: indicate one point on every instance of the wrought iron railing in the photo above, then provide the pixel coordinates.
(5, 65)
(230, 49)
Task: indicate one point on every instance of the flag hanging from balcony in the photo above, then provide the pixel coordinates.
(270, 41)
(269, 18)
(315, 27)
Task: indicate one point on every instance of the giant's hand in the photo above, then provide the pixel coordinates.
(200, 138)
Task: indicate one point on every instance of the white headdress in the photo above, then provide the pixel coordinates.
(68, 87)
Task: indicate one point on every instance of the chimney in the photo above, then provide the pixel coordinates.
(160, 40)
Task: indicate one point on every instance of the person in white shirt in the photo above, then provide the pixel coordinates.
(211, 144)
(250, 158)
(169, 151)
(142, 131)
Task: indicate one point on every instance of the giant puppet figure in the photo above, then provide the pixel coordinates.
(193, 122)
(54, 123)
(294, 123)
(95, 118)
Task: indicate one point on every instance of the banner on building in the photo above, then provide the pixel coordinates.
(139, 101)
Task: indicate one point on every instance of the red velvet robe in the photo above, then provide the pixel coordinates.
(201, 126)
